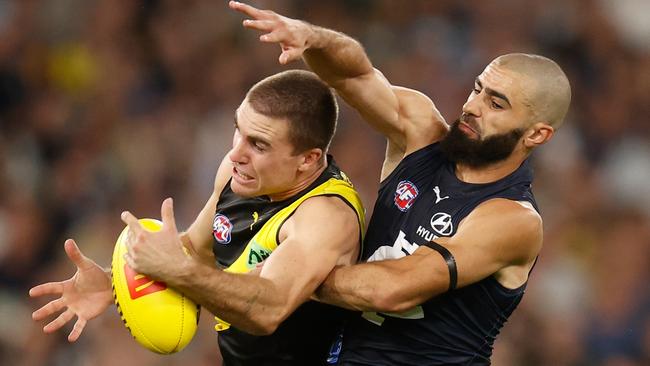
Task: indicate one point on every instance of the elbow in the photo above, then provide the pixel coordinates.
(262, 329)
(386, 304)
(266, 323)
(390, 300)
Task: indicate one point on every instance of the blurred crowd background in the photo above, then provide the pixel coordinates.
(108, 105)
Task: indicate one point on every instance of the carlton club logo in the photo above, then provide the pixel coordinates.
(441, 224)
(221, 229)
(140, 285)
(405, 195)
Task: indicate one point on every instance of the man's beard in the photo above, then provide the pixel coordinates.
(478, 153)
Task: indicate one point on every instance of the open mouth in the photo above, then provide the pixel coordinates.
(241, 176)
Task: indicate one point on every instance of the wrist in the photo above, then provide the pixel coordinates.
(189, 272)
(318, 38)
(201, 254)
(186, 242)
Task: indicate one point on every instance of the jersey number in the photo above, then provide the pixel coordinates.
(400, 248)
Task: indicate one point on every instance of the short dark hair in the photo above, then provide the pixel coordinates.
(304, 100)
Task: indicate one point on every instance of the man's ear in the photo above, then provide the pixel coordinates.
(538, 134)
(310, 158)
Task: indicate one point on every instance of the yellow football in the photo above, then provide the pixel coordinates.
(161, 319)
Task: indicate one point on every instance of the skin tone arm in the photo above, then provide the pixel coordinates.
(342, 63)
(88, 293)
(480, 247)
(197, 238)
(308, 252)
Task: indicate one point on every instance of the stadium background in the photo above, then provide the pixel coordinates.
(112, 105)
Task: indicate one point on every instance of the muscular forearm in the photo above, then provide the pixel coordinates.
(250, 303)
(342, 63)
(386, 286)
(335, 56)
(359, 287)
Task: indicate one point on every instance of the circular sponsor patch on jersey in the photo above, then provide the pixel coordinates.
(221, 229)
(405, 195)
(441, 224)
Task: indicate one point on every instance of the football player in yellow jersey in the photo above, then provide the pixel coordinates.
(277, 197)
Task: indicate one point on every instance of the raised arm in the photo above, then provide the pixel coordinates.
(481, 248)
(308, 251)
(342, 62)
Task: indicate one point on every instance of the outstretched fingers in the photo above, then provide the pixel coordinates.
(79, 326)
(50, 288)
(277, 36)
(289, 55)
(60, 321)
(74, 253)
(260, 25)
(167, 215)
(249, 10)
(49, 309)
(132, 222)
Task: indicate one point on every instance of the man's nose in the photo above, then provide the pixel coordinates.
(472, 107)
(238, 153)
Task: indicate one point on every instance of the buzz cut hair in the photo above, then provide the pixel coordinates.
(305, 101)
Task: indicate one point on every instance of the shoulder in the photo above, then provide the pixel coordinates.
(223, 175)
(513, 210)
(513, 226)
(423, 122)
(331, 208)
(323, 221)
(330, 214)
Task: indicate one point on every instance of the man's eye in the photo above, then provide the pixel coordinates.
(496, 105)
(476, 90)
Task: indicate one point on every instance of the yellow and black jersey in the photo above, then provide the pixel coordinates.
(245, 232)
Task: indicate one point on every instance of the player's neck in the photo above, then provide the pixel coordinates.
(490, 173)
(302, 182)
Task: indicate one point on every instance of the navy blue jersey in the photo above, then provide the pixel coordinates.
(420, 201)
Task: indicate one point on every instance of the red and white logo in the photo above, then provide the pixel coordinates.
(221, 228)
(405, 195)
(140, 285)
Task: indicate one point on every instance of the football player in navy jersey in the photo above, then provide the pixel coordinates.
(455, 230)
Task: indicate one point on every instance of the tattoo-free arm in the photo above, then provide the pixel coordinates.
(307, 253)
(481, 248)
(342, 63)
(197, 237)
